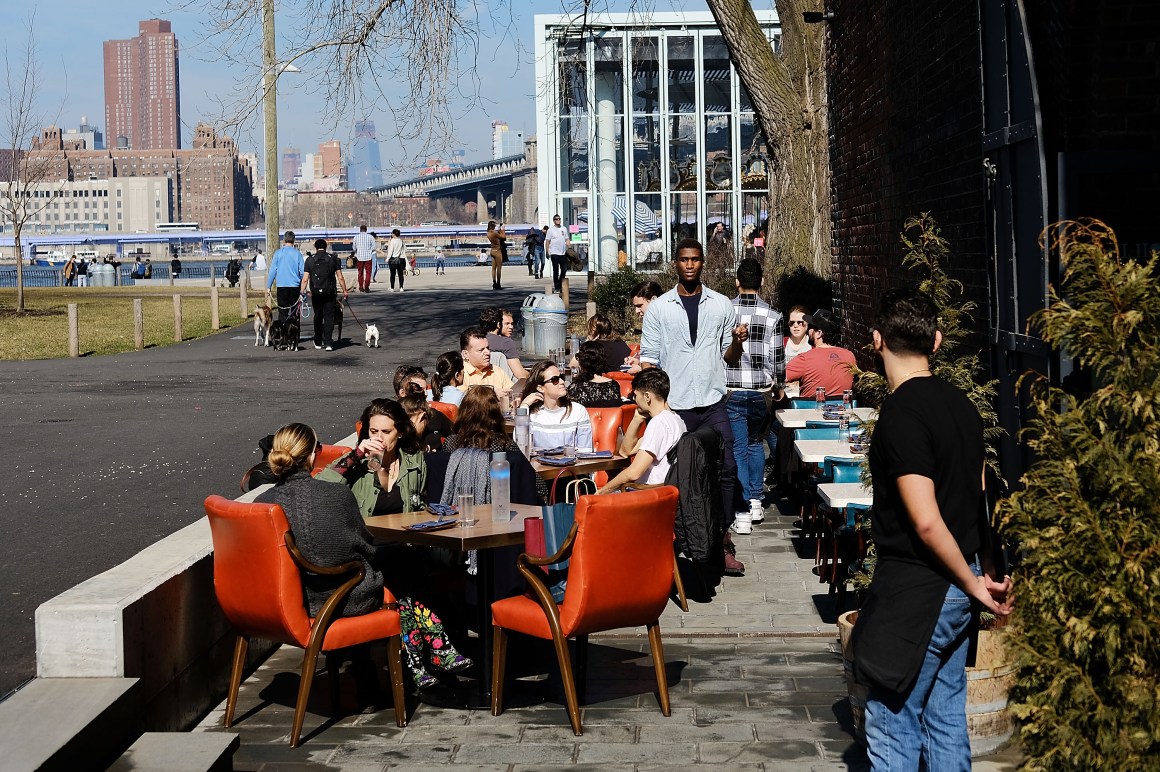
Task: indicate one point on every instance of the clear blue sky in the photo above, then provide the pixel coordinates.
(69, 34)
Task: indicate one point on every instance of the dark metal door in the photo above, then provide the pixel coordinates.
(1017, 212)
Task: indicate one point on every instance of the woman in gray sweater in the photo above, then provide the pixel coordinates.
(329, 531)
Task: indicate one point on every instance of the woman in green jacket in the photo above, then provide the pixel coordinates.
(387, 475)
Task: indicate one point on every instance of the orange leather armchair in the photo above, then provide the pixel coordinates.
(258, 585)
(327, 455)
(620, 575)
(623, 380)
(447, 409)
(607, 423)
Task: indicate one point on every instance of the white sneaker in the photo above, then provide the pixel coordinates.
(742, 525)
(756, 511)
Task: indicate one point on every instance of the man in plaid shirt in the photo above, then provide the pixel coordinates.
(758, 375)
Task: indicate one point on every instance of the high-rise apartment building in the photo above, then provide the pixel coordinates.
(291, 166)
(504, 141)
(328, 162)
(142, 96)
(365, 165)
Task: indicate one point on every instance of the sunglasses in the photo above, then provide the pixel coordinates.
(794, 322)
(555, 379)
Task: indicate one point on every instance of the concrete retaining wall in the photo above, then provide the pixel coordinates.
(154, 618)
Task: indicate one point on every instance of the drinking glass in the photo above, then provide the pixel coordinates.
(820, 398)
(465, 502)
(570, 444)
(374, 462)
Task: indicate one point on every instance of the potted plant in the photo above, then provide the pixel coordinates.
(1087, 516)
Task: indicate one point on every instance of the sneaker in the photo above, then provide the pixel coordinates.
(756, 511)
(330, 348)
(316, 346)
(741, 524)
(733, 566)
(400, 289)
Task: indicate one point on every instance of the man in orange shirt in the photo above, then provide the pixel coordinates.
(825, 365)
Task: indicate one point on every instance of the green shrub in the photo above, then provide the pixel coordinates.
(1086, 628)
(613, 296)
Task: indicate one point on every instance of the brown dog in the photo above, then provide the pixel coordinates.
(263, 316)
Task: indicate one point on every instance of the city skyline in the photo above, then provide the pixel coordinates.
(70, 61)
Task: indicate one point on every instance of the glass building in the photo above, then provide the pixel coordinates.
(645, 134)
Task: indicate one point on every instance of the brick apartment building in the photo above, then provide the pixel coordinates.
(211, 184)
(142, 89)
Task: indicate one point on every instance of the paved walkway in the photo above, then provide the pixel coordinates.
(755, 681)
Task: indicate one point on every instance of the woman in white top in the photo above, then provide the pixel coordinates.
(797, 342)
(556, 420)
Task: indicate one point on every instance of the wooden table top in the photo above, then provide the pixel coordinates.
(582, 466)
(485, 534)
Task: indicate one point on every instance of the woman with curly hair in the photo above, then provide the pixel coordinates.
(590, 388)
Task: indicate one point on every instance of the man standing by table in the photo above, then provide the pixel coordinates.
(690, 332)
(286, 275)
(759, 372)
(914, 628)
(364, 256)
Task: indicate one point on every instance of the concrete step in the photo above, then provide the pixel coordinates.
(67, 723)
(180, 752)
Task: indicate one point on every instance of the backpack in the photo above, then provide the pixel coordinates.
(322, 267)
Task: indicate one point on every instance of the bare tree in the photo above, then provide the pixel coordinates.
(788, 91)
(28, 171)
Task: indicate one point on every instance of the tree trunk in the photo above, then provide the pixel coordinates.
(788, 91)
(19, 271)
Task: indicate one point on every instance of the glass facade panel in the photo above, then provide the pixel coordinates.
(718, 209)
(754, 212)
(682, 75)
(682, 218)
(754, 155)
(646, 153)
(646, 75)
(609, 76)
(573, 143)
(574, 217)
(573, 78)
(719, 156)
(683, 171)
(718, 75)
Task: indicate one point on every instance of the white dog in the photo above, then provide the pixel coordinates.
(372, 335)
(262, 318)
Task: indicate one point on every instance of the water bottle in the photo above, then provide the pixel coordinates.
(847, 398)
(523, 432)
(820, 398)
(501, 488)
(844, 426)
(575, 345)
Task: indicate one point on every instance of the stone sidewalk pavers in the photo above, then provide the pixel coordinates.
(755, 680)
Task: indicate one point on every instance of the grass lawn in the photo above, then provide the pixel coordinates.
(106, 318)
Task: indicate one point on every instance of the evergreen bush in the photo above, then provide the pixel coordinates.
(613, 296)
(1086, 627)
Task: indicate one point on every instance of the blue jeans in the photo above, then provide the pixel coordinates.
(747, 411)
(538, 262)
(931, 720)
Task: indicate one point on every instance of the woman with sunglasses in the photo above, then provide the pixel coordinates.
(328, 528)
(556, 420)
(798, 341)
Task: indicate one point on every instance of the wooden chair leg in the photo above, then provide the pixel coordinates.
(565, 661)
(498, 660)
(580, 668)
(309, 662)
(241, 646)
(684, 604)
(658, 656)
(395, 668)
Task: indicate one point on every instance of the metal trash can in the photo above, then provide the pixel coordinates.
(527, 319)
(551, 324)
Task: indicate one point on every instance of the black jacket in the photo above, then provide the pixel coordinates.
(695, 471)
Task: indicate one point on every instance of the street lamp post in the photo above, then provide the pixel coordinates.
(270, 112)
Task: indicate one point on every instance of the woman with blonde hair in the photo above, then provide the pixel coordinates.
(329, 531)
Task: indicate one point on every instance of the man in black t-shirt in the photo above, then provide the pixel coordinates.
(322, 273)
(913, 631)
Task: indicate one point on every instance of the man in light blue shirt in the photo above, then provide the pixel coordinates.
(286, 274)
(690, 332)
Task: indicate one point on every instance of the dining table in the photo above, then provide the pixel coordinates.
(790, 418)
(582, 466)
(839, 495)
(485, 537)
(815, 451)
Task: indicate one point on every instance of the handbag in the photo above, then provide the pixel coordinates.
(544, 535)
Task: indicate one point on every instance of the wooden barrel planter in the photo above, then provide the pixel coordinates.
(989, 721)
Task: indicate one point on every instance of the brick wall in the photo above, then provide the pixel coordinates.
(905, 126)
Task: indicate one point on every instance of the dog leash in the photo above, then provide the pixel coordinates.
(346, 302)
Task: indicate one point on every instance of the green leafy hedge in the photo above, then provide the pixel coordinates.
(1086, 628)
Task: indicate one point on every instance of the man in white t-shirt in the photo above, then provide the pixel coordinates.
(662, 428)
(557, 242)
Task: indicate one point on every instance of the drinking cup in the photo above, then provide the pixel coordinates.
(465, 502)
